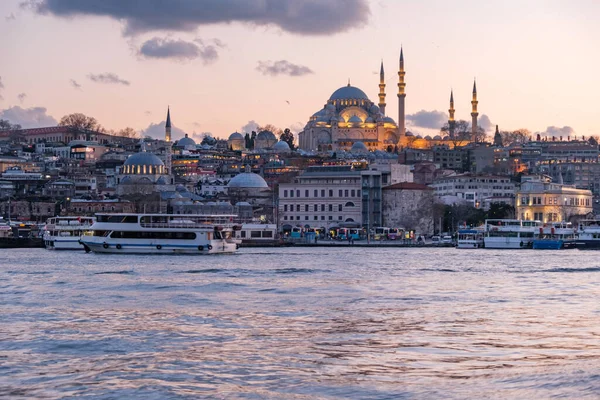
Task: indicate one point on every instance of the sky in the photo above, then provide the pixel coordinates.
(226, 65)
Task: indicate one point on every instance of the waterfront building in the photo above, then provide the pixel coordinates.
(474, 189)
(91, 207)
(539, 198)
(408, 205)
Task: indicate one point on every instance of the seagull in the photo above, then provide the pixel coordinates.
(287, 101)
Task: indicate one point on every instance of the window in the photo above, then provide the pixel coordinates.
(331, 207)
(306, 193)
(316, 193)
(316, 208)
(285, 207)
(316, 218)
(346, 193)
(353, 193)
(291, 193)
(322, 207)
(330, 217)
(291, 207)
(298, 193)
(340, 193)
(322, 218)
(339, 207)
(306, 207)
(322, 192)
(297, 218)
(330, 192)
(306, 217)
(285, 193)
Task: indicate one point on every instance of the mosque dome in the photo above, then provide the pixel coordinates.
(359, 147)
(236, 136)
(281, 146)
(143, 158)
(348, 92)
(389, 120)
(409, 133)
(427, 137)
(419, 137)
(374, 109)
(186, 141)
(330, 107)
(247, 180)
(266, 135)
(355, 119)
(369, 120)
(437, 137)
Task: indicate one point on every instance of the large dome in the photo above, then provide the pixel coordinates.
(143, 158)
(348, 92)
(247, 180)
(186, 141)
(266, 135)
(281, 146)
(236, 136)
(359, 147)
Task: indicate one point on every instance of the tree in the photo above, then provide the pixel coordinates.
(207, 139)
(247, 141)
(288, 137)
(128, 133)
(271, 128)
(252, 139)
(518, 136)
(460, 134)
(5, 125)
(80, 121)
(500, 211)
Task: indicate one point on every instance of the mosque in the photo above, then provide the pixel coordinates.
(350, 120)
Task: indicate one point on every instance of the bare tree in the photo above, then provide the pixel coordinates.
(127, 132)
(460, 134)
(518, 136)
(272, 128)
(80, 121)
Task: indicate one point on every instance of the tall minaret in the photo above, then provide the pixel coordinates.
(474, 113)
(401, 96)
(168, 141)
(382, 89)
(451, 114)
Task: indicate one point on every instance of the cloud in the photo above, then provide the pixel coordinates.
(297, 127)
(157, 131)
(33, 117)
(75, 84)
(558, 131)
(22, 97)
(1, 88)
(485, 123)
(199, 136)
(302, 17)
(108, 78)
(282, 67)
(249, 127)
(428, 119)
(10, 17)
(180, 49)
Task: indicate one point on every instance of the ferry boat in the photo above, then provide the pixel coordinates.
(161, 234)
(470, 239)
(588, 234)
(509, 233)
(555, 236)
(63, 233)
(252, 234)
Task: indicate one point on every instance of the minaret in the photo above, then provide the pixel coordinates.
(451, 114)
(382, 89)
(497, 138)
(474, 113)
(401, 96)
(168, 141)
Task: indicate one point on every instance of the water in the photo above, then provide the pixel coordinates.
(301, 323)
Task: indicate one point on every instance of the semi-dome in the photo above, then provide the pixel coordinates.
(247, 180)
(355, 119)
(359, 147)
(236, 136)
(437, 137)
(348, 92)
(186, 141)
(369, 120)
(427, 137)
(389, 120)
(266, 135)
(409, 133)
(374, 109)
(281, 146)
(143, 158)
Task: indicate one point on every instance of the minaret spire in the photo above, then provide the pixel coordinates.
(451, 114)
(168, 140)
(382, 89)
(474, 113)
(401, 96)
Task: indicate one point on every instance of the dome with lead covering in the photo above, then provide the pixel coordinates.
(266, 135)
(349, 92)
(247, 180)
(236, 136)
(186, 142)
(359, 147)
(281, 146)
(143, 158)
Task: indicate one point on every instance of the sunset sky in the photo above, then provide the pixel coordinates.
(222, 64)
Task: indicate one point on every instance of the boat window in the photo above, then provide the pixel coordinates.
(153, 235)
(255, 234)
(267, 234)
(128, 219)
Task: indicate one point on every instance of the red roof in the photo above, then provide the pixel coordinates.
(407, 186)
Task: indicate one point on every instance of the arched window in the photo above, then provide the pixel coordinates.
(349, 204)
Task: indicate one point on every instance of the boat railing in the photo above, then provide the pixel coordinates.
(204, 225)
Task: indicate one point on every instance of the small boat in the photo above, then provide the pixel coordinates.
(509, 233)
(161, 234)
(63, 233)
(470, 239)
(556, 236)
(588, 233)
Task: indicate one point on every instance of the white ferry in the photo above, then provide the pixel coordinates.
(161, 234)
(470, 239)
(510, 233)
(63, 233)
(588, 234)
(257, 234)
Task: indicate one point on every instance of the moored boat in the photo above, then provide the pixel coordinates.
(588, 232)
(555, 236)
(64, 233)
(470, 239)
(509, 233)
(161, 234)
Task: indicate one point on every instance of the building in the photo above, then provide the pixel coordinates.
(546, 201)
(474, 189)
(410, 206)
(323, 196)
(91, 207)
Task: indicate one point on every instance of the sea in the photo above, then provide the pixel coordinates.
(301, 323)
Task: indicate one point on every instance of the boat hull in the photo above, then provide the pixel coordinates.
(215, 247)
(61, 244)
(587, 244)
(469, 244)
(506, 243)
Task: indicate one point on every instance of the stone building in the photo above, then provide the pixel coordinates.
(409, 205)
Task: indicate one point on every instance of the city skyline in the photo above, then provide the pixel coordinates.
(222, 68)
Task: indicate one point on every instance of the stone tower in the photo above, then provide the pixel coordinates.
(382, 89)
(474, 113)
(401, 97)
